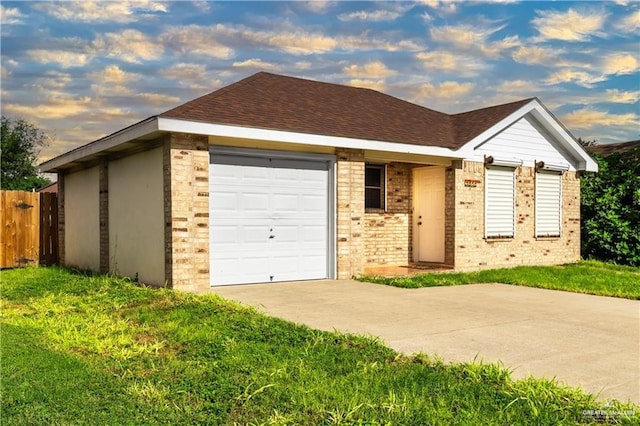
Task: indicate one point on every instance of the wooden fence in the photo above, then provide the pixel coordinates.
(29, 234)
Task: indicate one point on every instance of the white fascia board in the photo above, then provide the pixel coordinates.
(586, 163)
(128, 134)
(534, 107)
(209, 129)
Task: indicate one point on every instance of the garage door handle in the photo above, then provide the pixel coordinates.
(419, 223)
(271, 236)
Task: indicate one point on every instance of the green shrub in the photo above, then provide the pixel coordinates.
(610, 209)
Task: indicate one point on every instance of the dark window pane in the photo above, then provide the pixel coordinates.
(372, 176)
(372, 198)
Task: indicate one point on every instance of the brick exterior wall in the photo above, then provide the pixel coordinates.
(186, 186)
(473, 252)
(350, 213)
(388, 234)
(103, 185)
(450, 213)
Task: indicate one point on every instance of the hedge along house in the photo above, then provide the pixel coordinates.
(276, 178)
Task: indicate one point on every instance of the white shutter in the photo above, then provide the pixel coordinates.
(499, 202)
(548, 204)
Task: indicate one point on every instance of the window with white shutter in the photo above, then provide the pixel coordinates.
(548, 204)
(499, 217)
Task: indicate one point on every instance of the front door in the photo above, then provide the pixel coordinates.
(428, 214)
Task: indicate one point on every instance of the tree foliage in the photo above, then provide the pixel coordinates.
(587, 142)
(611, 209)
(21, 143)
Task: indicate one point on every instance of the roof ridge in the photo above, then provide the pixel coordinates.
(522, 101)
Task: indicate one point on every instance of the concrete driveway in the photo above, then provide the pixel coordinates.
(586, 341)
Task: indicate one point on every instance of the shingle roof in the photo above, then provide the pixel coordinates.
(277, 102)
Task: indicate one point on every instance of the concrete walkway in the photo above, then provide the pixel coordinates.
(585, 341)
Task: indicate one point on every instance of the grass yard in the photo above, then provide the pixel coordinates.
(96, 350)
(591, 277)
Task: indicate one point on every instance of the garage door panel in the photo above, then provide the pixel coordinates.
(252, 202)
(286, 203)
(314, 234)
(314, 204)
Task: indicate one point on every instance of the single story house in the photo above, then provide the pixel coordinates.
(275, 178)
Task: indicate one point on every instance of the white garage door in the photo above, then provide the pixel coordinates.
(268, 219)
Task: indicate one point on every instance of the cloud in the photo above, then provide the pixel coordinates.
(370, 70)
(517, 86)
(220, 40)
(112, 81)
(158, 99)
(122, 11)
(57, 106)
(624, 97)
(391, 13)
(630, 23)
(535, 55)
(257, 64)
(461, 65)
(65, 59)
(474, 38)
(128, 45)
(182, 71)
(620, 63)
(378, 85)
(568, 26)
(317, 6)
(445, 6)
(10, 15)
(364, 42)
(296, 43)
(446, 89)
(112, 74)
(201, 5)
(198, 40)
(587, 118)
(580, 78)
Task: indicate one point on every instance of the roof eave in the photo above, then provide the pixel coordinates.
(210, 129)
(95, 148)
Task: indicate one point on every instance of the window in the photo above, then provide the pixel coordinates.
(374, 186)
(499, 202)
(548, 204)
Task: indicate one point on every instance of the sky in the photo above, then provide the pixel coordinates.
(80, 70)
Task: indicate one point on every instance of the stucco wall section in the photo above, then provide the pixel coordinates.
(473, 252)
(81, 219)
(186, 194)
(388, 234)
(136, 217)
(350, 212)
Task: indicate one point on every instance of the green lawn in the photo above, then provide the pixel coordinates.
(98, 350)
(591, 277)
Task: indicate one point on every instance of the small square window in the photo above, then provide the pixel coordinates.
(374, 186)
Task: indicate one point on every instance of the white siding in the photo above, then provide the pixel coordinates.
(82, 224)
(521, 140)
(548, 204)
(136, 217)
(499, 202)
